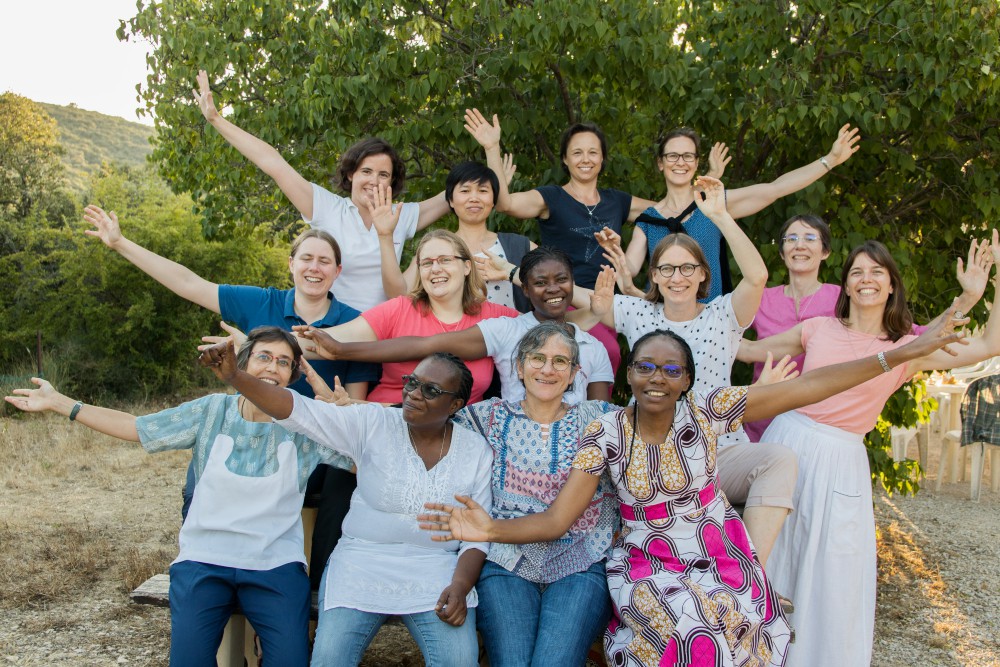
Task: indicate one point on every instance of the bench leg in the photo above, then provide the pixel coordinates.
(995, 469)
(978, 459)
(923, 438)
(231, 651)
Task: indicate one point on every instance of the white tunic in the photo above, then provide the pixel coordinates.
(384, 563)
(360, 283)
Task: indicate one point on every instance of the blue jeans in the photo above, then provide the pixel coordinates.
(524, 623)
(343, 634)
(203, 596)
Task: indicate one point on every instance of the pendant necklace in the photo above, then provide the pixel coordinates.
(797, 301)
(590, 209)
(444, 437)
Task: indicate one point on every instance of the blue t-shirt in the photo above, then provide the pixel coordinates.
(571, 227)
(699, 227)
(250, 307)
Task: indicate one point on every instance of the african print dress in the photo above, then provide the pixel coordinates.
(685, 580)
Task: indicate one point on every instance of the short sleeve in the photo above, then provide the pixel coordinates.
(724, 408)
(497, 333)
(809, 329)
(477, 417)
(406, 228)
(600, 363)
(590, 456)
(624, 201)
(178, 427)
(385, 317)
(236, 302)
(327, 207)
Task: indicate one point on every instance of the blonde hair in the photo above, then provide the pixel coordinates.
(474, 289)
(687, 243)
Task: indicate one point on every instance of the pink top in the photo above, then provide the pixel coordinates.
(399, 317)
(827, 341)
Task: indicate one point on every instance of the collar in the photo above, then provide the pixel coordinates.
(329, 320)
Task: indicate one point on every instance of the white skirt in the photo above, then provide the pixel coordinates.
(824, 559)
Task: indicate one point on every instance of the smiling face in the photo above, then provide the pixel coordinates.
(657, 393)
(442, 281)
(472, 202)
(550, 289)
(678, 289)
(547, 383)
(680, 172)
(421, 412)
(373, 171)
(803, 257)
(868, 283)
(584, 156)
(273, 372)
(314, 267)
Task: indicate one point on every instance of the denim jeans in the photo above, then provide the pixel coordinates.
(524, 623)
(203, 596)
(343, 634)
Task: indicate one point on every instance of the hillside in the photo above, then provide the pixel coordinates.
(90, 138)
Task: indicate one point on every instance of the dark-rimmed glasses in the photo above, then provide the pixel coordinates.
(667, 270)
(429, 391)
(676, 157)
(647, 368)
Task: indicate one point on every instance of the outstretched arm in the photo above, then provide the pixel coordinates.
(115, 423)
(272, 399)
(467, 344)
(786, 343)
(747, 295)
(766, 401)
(296, 188)
(179, 279)
(472, 524)
(751, 199)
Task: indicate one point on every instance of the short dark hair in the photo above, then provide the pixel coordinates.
(470, 172)
(580, 128)
(685, 132)
(809, 220)
(665, 333)
(464, 390)
(316, 234)
(355, 155)
(533, 258)
(270, 335)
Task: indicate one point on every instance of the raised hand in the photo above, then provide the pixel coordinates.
(974, 275)
(384, 216)
(488, 135)
(337, 395)
(106, 225)
(623, 275)
(773, 373)
(470, 523)
(203, 96)
(714, 202)
(602, 299)
(323, 343)
(221, 360)
(718, 158)
(34, 400)
(608, 238)
(509, 168)
(492, 267)
(941, 334)
(847, 144)
(235, 335)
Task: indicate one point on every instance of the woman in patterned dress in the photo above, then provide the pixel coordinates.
(685, 582)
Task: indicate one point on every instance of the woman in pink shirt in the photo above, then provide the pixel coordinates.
(449, 296)
(824, 558)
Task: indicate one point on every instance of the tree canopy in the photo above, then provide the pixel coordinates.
(29, 154)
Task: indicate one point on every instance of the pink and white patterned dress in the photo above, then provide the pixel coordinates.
(685, 580)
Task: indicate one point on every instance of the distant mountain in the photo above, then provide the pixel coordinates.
(90, 138)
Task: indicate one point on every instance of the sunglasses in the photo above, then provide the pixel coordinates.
(429, 391)
(646, 369)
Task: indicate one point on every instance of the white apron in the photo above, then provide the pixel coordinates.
(252, 523)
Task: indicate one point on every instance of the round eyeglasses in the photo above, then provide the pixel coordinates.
(538, 360)
(667, 270)
(647, 368)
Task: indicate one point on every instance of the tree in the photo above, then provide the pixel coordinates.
(29, 155)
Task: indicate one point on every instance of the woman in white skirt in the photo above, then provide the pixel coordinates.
(824, 558)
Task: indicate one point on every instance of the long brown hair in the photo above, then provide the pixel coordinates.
(683, 240)
(474, 288)
(897, 320)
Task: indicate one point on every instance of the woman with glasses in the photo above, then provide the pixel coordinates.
(242, 542)
(406, 457)
(448, 296)
(685, 583)
(804, 243)
(677, 157)
(762, 477)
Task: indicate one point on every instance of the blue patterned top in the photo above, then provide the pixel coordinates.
(699, 227)
(529, 470)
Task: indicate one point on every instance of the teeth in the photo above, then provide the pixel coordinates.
(868, 291)
(435, 281)
(554, 300)
(312, 279)
(656, 393)
(269, 381)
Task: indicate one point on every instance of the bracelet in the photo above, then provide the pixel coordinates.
(510, 276)
(76, 409)
(826, 164)
(885, 364)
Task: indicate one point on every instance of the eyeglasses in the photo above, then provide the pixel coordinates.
(444, 261)
(646, 369)
(795, 238)
(667, 270)
(538, 360)
(675, 157)
(429, 391)
(265, 358)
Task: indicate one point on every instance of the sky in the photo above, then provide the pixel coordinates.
(66, 51)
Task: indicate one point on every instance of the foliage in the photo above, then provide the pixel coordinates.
(907, 408)
(29, 155)
(90, 139)
(112, 329)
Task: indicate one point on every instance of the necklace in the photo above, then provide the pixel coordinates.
(867, 349)
(590, 209)
(544, 427)
(444, 437)
(797, 300)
